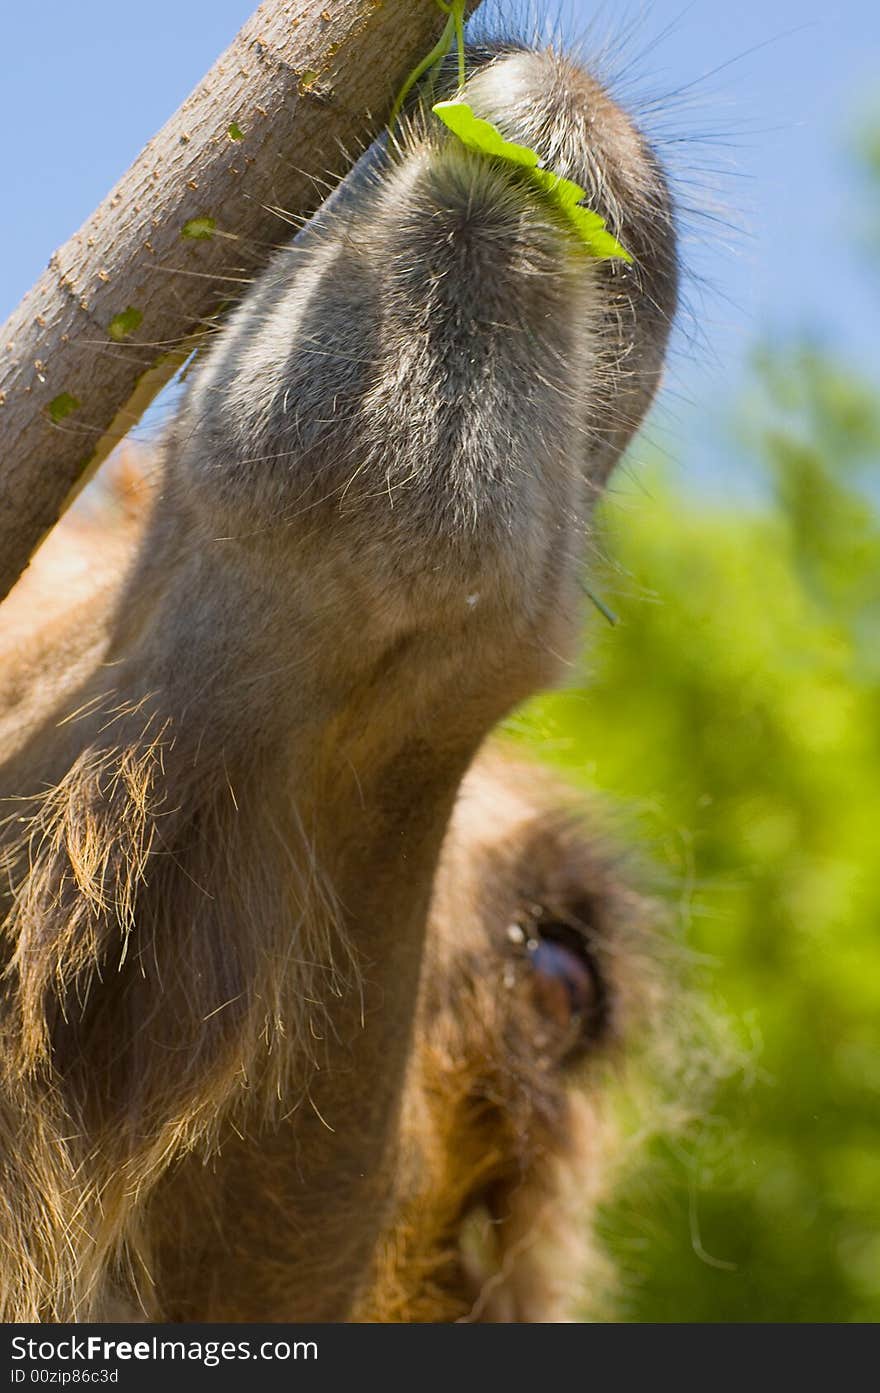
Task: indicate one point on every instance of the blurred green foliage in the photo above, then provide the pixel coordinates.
(735, 712)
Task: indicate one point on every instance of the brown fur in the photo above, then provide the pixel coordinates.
(504, 1148)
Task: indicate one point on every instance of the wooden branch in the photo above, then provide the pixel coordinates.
(122, 302)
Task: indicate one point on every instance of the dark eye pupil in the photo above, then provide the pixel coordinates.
(564, 984)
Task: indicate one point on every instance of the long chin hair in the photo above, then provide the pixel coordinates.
(219, 1000)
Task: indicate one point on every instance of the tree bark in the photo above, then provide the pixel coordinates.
(122, 303)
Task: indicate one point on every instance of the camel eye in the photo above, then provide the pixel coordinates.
(566, 982)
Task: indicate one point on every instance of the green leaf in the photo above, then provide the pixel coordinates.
(62, 406)
(123, 325)
(486, 139)
(593, 233)
(481, 135)
(589, 226)
(198, 228)
(235, 132)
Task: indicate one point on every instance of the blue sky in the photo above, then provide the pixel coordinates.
(754, 105)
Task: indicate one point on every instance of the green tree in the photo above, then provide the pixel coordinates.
(735, 713)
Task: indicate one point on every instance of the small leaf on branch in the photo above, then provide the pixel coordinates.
(198, 228)
(61, 406)
(123, 325)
